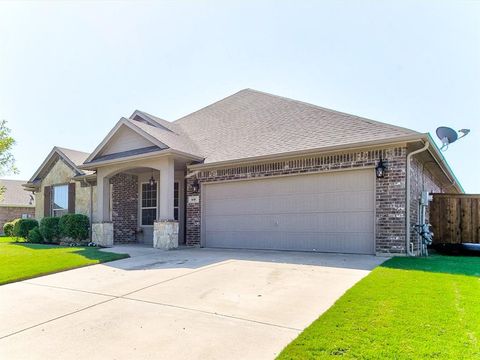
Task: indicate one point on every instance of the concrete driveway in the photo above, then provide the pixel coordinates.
(183, 304)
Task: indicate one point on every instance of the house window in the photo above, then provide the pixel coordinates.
(149, 203)
(60, 200)
(175, 201)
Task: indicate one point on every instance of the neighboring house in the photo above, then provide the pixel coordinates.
(253, 170)
(15, 202)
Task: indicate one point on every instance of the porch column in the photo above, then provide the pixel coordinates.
(103, 198)
(102, 230)
(165, 230)
(167, 174)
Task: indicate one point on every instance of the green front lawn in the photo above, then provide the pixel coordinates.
(19, 261)
(408, 308)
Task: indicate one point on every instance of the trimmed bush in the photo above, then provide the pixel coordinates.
(49, 228)
(34, 236)
(23, 226)
(10, 231)
(8, 228)
(74, 226)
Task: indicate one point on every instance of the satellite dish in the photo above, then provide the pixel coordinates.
(464, 132)
(448, 135)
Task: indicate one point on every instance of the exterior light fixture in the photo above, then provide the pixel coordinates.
(380, 169)
(195, 186)
(152, 180)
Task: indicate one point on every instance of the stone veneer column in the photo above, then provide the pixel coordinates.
(165, 235)
(102, 234)
(165, 230)
(102, 231)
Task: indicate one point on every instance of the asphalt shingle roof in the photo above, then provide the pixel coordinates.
(175, 138)
(251, 123)
(15, 194)
(75, 156)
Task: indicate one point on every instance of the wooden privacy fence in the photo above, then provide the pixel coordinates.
(455, 218)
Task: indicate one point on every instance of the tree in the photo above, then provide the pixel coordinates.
(7, 161)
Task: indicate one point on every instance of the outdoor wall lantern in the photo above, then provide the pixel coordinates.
(152, 180)
(380, 169)
(195, 186)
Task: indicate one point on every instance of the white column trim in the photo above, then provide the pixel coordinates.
(167, 179)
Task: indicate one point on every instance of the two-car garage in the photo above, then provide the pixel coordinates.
(328, 212)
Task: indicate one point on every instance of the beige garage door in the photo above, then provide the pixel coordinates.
(332, 212)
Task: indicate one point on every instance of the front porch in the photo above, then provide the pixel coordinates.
(141, 202)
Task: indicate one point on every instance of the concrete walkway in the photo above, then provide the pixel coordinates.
(183, 304)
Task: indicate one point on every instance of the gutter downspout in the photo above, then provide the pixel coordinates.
(408, 195)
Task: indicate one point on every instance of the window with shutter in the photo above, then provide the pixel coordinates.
(71, 198)
(60, 200)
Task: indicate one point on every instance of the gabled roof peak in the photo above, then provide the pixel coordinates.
(158, 137)
(76, 156)
(73, 158)
(151, 120)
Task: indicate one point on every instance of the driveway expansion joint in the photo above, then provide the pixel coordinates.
(70, 289)
(114, 297)
(213, 313)
(348, 275)
(56, 318)
(180, 276)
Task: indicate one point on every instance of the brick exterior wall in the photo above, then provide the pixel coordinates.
(193, 216)
(124, 208)
(421, 179)
(390, 205)
(9, 213)
(390, 191)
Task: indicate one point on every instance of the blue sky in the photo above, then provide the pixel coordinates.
(70, 70)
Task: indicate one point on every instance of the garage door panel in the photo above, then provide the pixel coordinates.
(331, 212)
(290, 185)
(324, 222)
(296, 203)
(304, 241)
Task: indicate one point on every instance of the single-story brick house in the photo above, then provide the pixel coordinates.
(253, 170)
(15, 203)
